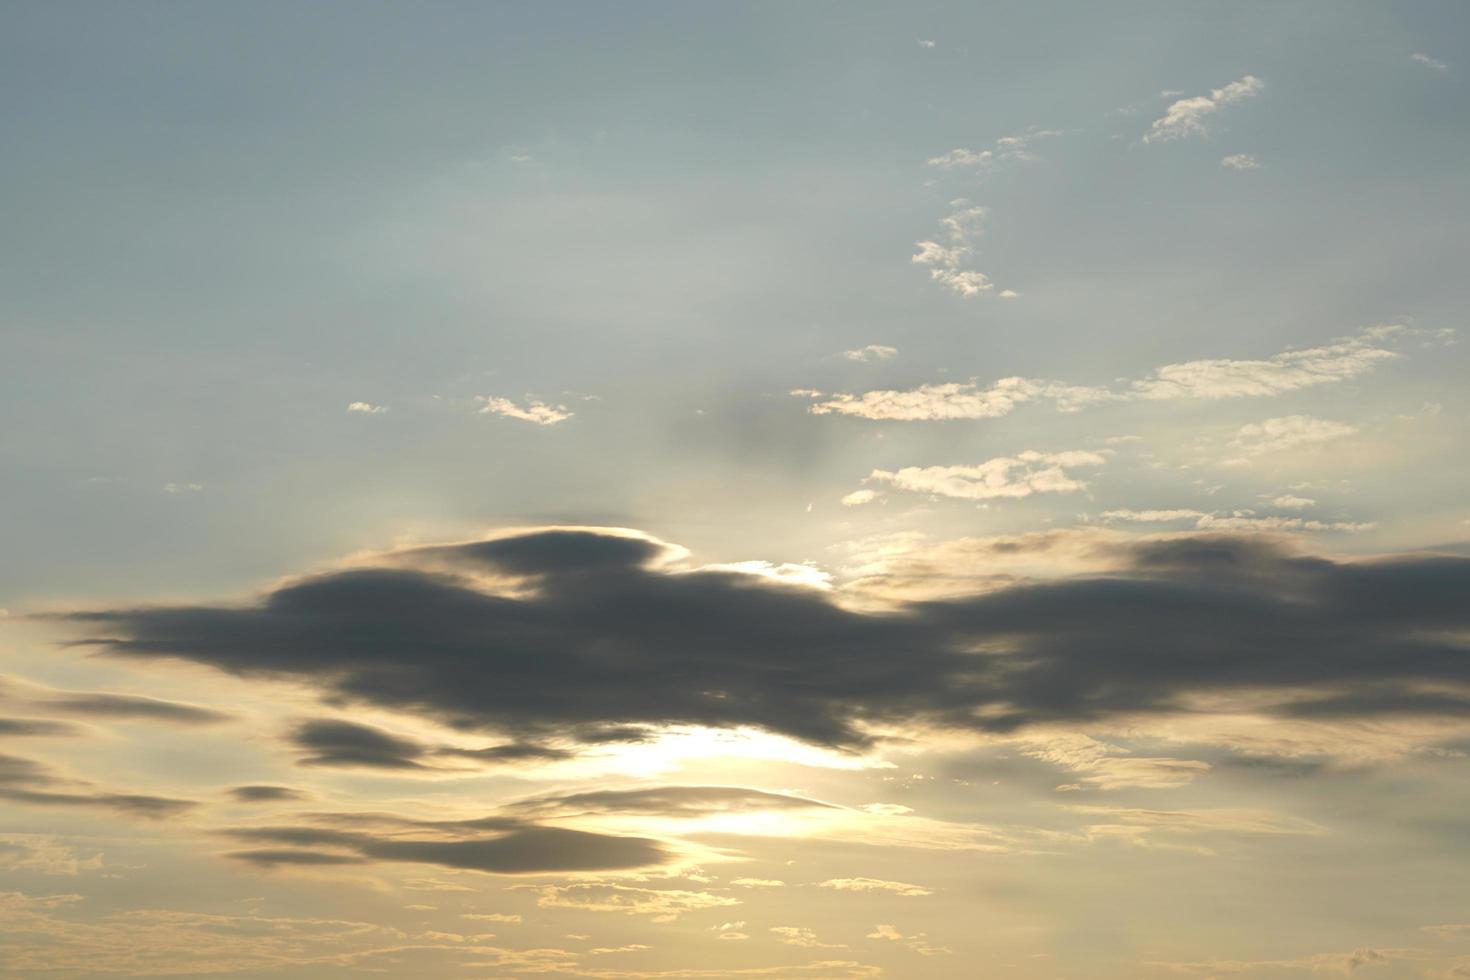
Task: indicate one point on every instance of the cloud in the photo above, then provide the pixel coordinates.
(601, 636)
(1293, 502)
(948, 262)
(1006, 149)
(178, 488)
(1003, 477)
(876, 885)
(923, 43)
(1214, 379)
(367, 408)
(21, 727)
(859, 497)
(1288, 432)
(667, 801)
(30, 782)
(42, 854)
(917, 943)
(1433, 64)
(1240, 520)
(1240, 161)
(518, 848)
(1223, 378)
(872, 352)
(952, 400)
(662, 904)
(805, 938)
(1191, 117)
(132, 707)
(266, 794)
(329, 742)
(534, 411)
(347, 744)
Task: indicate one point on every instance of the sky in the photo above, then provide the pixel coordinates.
(801, 491)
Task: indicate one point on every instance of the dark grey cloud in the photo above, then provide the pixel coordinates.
(132, 706)
(36, 726)
(668, 801)
(519, 849)
(605, 638)
(266, 794)
(30, 782)
(350, 744)
(267, 858)
(330, 742)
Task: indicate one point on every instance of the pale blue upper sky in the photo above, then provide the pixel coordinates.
(224, 224)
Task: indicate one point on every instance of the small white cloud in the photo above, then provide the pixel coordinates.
(182, 487)
(924, 43)
(534, 411)
(805, 938)
(947, 262)
(859, 497)
(1190, 117)
(1240, 161)
(1005, 476)
(901, 888)
(1008, 294)
(367, 408)
(1005, 149)
(1289, 501)
(872, 352)
(1433, 64)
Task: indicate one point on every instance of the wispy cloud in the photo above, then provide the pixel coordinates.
(1433, 64)
(1238, 520)
(1192, 116)
(367, 408)
(1210, 379)
(1288, 432)
(1240, 161)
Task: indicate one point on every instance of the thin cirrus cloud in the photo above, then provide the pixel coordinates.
(1002, 477)
(28, 782)
(1433, 64)
(592, 644)
(1288, 432)
(1239, 520)
(1209, 379)
(1193, 116)
(537, 412)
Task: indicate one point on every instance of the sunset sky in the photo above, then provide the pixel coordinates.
(801, 491)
